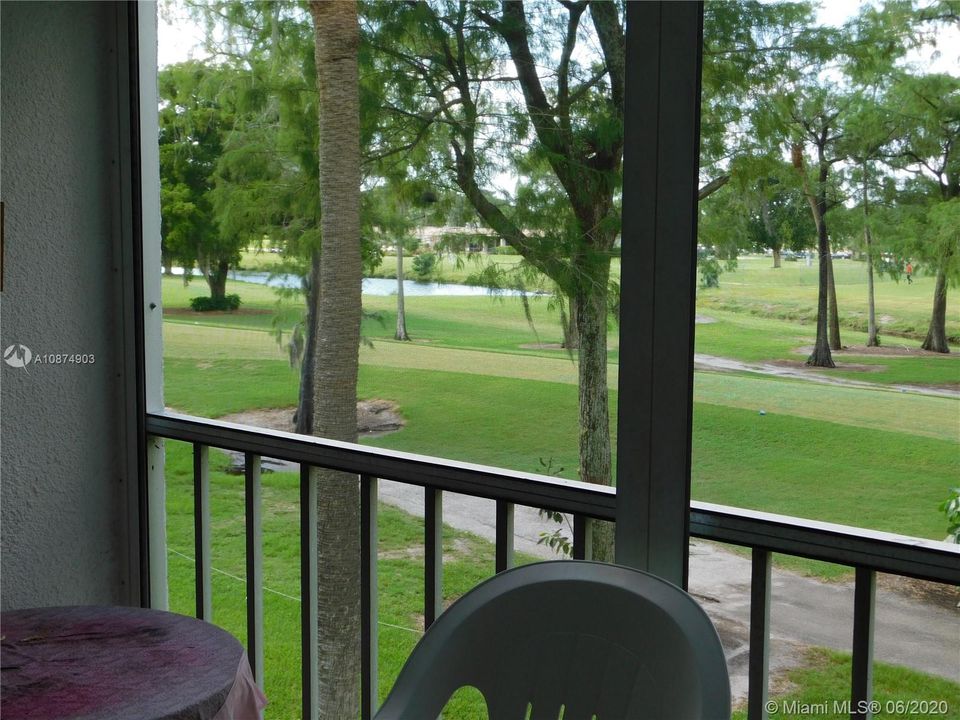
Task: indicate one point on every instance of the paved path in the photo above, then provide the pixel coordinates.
(804, 611)
(712, 362)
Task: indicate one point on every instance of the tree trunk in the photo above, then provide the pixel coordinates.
(571, 333)
(832, 300)
(821, 357)
(304, 418)
(336, 348)
(217, 279)
(776, 257)
(167, 262)
(873, 337)
(401, 333)
(594, 444)
(936, 340)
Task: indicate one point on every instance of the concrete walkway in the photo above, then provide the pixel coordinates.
(804, 611)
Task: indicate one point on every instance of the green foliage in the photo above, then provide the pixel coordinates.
(710, 270)
(424, 266)
(194, 124)
(951, 508)
(207, 304)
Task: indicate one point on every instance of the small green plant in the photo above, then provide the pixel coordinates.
(558, 540)
(209, 304)
(424, 266)
(951, 508)
(710, 271)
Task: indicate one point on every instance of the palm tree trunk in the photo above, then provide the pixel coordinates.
(336, 346)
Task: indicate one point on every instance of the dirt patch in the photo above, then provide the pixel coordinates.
(374, 418)
(216, 313)
(882, 351)
(542, 346)
(802, 365)
(937, 594)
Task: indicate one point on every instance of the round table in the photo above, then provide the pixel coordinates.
(120, 663)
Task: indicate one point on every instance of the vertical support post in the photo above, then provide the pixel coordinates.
(153, 526)
(143, 324)
(201, 530)
(504, 536)
(864, 599)
(368, 596)
(432, 555)
(254, 533)
(660, 178)
(759, 669)
(308, 593)
(582, 537)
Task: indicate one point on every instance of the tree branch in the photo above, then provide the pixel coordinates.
(711, 187)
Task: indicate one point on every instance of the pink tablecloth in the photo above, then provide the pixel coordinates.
(117, 663)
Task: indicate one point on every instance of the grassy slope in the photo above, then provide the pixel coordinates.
(777, 462)
(468, 560)
(456, 388)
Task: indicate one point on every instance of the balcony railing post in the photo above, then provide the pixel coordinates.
(864, 598)
(308, 592)
(254, 538)
(368, 597)
(759, 668)
(201, 530)
(504, 536)
(154, 590)
(582, 537)
(433, 555)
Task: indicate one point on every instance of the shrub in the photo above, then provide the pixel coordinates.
(709, 271)
(208, 304)
(951, 508)
(424, 266)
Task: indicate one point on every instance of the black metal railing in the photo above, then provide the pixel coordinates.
(868, 552)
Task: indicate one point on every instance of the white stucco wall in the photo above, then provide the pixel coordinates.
(63, 484)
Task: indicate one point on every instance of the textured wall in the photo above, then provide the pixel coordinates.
(64, 535)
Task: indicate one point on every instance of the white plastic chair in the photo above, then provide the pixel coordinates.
(573, 640)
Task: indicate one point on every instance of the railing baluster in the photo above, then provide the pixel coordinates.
(432, 555)
(864, 598)
(251, 467)
(308, 593)
(759, 668)
(201, 530)
(504, 536)
(368, 597)
(582, 537)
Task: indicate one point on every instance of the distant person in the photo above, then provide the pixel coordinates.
(909, 273)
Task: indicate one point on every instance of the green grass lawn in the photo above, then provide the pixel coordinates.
(847, 469)
(825, 678)
(467, 561)
(479, 384)
(790, 292)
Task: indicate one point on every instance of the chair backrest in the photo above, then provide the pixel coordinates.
(597, 640)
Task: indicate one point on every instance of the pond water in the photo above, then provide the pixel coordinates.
(371, 286)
